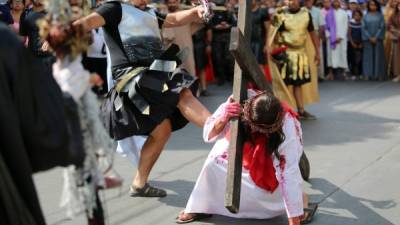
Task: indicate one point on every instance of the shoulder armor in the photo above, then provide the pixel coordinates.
(279, 16)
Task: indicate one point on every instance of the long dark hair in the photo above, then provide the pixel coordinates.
(264, 114)
(378, 6)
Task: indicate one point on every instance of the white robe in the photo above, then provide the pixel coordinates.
(337, 57)
(208, 193)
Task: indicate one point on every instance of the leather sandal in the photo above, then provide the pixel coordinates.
(310, 210)
(147, 191)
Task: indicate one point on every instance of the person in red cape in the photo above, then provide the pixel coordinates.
(271, 179)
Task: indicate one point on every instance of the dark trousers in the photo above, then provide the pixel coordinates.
(222, 59)
(325, 55)
(355, 60)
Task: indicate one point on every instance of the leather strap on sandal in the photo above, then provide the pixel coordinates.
(147, 191)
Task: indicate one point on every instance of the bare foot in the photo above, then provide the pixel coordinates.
(185, 217)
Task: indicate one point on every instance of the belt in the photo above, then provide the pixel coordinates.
(127, 77)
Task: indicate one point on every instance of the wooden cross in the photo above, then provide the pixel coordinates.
(246, 67)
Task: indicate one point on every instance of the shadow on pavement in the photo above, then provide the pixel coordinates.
(181, 192)
(347, 127)
(338, 207)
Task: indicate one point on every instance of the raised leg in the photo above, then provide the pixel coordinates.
(192, 109)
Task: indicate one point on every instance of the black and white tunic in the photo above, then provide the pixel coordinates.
(133, 38)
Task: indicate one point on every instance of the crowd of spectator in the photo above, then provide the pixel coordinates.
(359, 38)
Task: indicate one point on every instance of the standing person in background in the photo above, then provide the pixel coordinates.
(326, 6)
(17, 8)
(28, 27)
(355, 45)
(222, 59)
(336, 32)
(319, 27)
(387, 43)
(394, 30)
(201, 48)
(373, 34)
(181, 36)
(294, 72)
(201, 51)
(353, 6)
(259, 35)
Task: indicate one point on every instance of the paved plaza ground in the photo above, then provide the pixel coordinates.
(353, 147)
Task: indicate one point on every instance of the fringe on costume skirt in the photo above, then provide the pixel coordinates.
(296, 70)
(143, 98)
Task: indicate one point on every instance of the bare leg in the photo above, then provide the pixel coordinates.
(192, 109)
(305, 200)
(151, 150)
(298, 96)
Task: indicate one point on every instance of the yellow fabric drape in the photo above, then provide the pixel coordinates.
(387, 43)
(285, 93)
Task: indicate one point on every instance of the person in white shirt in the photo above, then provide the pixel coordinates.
(337, 28)
(319, 28)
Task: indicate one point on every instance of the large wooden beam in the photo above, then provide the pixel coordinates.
(234, 176)
(241, 50)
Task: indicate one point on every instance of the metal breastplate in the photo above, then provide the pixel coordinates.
(295, 29)
(140, 35)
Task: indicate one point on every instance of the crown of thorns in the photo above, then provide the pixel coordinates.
(263, 128)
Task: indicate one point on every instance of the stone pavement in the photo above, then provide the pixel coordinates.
(354, 149)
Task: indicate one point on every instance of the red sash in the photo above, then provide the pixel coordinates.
(259, 164)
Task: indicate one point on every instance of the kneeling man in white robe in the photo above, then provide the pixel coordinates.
(271, 179)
